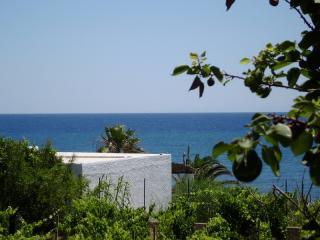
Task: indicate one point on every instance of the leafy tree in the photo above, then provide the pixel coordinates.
(288, 65)
(35, 182)
(118, 139)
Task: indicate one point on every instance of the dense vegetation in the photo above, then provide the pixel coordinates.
(237, 213)
(42, 198)
(34, 182)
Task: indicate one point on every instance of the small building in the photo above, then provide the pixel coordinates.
(148, 175)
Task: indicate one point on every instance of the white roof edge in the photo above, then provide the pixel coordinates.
(107, 155)
(91, 157)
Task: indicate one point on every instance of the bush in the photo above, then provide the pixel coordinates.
(104, 214)
(35, 182)
(244, 211)
(178, 220)
(23, 231)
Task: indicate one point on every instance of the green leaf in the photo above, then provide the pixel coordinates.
(245, 143)
(287, 45)
(206, 70)
(282, 130)
(270, 139)
(311, 159)
(194, 56)
(219, 149)
(309, 39)
(216, 71)
(305, 73)
(272, 156)
(180, 69)
(315, 173)
(269, 46)
(203, 54)
(245, 61)
(293, 56)
(280, 65)
(260, 118)
(293, 76)
(302, 144)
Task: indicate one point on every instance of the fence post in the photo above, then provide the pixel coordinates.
(294, 233)
(188, 187)
(144, 194)
(153, 224)
(199, 226)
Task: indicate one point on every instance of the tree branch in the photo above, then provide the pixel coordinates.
(266, 84)
(301, 15)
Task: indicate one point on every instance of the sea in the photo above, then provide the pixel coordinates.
(171, 133)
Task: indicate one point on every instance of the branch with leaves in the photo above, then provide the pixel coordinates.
(287, 65)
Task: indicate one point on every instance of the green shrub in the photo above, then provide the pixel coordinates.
(219, 227)
(202, 235)
(246, 211)
(23, 230)
(35, 182)
(177, 222)
(104, 213)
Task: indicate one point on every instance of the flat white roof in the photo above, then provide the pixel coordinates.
(92, 157)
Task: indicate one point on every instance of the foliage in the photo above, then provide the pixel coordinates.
(178, 220)
(104, 213)
(239, 213)
(36, 183)
(207, 167)
(287, 65)
(303, 212)
(118, 139)
(24, 230)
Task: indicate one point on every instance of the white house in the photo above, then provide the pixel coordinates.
(148, 175)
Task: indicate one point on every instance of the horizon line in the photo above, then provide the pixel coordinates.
(82, 113)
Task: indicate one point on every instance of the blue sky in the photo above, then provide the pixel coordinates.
(103, 56)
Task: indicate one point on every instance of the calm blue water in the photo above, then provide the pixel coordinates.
(159, 133)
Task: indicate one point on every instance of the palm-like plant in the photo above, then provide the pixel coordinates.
(118, 139)
(208, 168)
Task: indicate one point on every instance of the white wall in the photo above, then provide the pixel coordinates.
(155, 168)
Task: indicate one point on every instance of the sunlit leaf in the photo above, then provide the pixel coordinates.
(245, 61)
(194, 56)
(282, 130)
